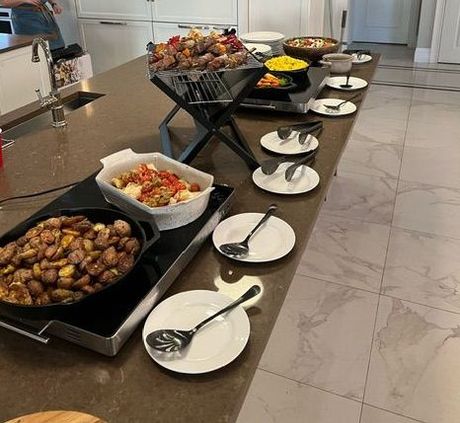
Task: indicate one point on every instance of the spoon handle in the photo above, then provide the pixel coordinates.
(267, 215)
(351, 98)
(251, 292)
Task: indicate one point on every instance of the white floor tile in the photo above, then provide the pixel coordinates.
(428, 208)
(349, 252)
(371, 158)
(415, 366)
(323, 336)
(273, 399)
(375, 415)
(357, 196)
(424, 269)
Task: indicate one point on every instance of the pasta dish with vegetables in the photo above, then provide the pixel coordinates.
(155, 188)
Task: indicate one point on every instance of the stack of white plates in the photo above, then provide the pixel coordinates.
(272, 39)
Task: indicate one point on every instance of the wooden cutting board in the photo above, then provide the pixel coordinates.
(57, 417)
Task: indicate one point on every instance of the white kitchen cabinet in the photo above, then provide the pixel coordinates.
(112, 43)
(19, 78)
(115, 9)
(196, 11)
(163, 31)
(270, 15)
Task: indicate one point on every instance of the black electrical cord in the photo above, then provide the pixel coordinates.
(37, 194)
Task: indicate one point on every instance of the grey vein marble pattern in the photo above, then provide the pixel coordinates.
(386, 102)
(384, 130)
(428, 208)
(383, 117)
(274, 399)
(434, 121)
(424, 269)
(433, 166)
(375, 415)
(349, 252)
(357, 196)
(323, 336)
(415, 366)
(371, 158)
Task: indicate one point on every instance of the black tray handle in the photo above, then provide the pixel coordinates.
(152, 233)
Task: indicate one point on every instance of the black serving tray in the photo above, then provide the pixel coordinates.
(107, 325)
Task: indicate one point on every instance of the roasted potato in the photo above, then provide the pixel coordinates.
(63, 259)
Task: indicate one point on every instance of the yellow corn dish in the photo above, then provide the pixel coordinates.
(285, 63)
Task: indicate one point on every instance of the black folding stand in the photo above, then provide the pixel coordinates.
(211, 98)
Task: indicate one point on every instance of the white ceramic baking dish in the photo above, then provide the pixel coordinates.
(166, 217)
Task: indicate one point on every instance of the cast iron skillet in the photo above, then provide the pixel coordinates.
(57, 311)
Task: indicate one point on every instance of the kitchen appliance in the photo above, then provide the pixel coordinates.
(6, 26)
(210, 98)
(106, 325)
(298, 100)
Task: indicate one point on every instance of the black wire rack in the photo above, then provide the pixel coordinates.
(211, 98)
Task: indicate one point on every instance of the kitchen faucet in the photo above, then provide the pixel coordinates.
(53, 100)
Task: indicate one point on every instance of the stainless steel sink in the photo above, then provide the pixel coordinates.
(43, 120)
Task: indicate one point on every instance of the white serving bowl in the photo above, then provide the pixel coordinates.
(166, 217)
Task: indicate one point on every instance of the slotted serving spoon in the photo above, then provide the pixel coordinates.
(172, 340)
(241, 249)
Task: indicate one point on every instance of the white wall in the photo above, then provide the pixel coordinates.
(425, 29)
(338, 6)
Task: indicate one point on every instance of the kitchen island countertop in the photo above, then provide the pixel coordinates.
(131, 387)
(10, 42)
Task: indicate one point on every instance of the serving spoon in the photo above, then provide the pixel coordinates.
(338, 106)
(172, 340)
(241, 249)
(347, 82)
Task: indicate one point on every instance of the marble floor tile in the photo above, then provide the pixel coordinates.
(323, 336)
(346, 251)
(424, 269)
(375, 415)
(274, 399)
(433, 166)
(415, 367)
(356, 196)
(436, 97)
(394, 75)
(428, 208)
(384, 102)
(438, 134)
(376, 129)
(439, 78)
(372, 158)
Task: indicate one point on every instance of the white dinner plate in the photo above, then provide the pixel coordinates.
(345, 109)
(356, 83)
(291, 145)
(275, 239)
(259, 48)
(214, 346)
(305, 179)
(262, 37)
(364, 58)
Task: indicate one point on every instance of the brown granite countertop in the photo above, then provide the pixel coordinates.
(131, 387)
(12, 42)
